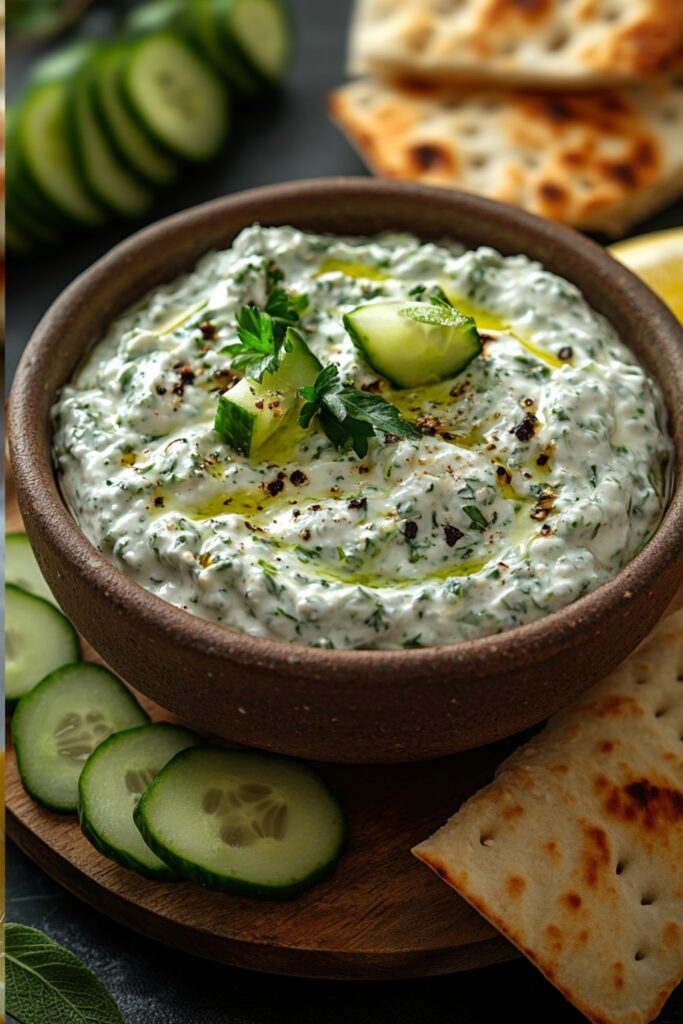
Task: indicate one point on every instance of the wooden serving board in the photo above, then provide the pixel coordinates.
(382, 915)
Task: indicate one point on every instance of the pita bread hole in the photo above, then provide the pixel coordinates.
(660, 712)
(619, 869)
(639, 954)
(647, 900)
(486, 839)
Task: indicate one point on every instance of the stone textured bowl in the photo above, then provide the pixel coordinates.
(355, 706)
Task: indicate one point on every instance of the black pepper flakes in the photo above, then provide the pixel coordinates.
(410, 530)
(159, 501)
(565, 353)
(524, 431)
(542, 459)
(453, 534)
(374, 387)
(274, 487)
(358, 503)
(160, 389)
(298, 478)
(391, 438)
(208, 330)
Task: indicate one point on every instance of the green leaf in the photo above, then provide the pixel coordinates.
(47, 983)
(263, 334)
(350, 416)
(477, 518)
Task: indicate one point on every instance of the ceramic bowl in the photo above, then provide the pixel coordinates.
(361, 705)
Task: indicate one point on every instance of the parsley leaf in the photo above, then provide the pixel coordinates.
(349, 416)
(263, 334)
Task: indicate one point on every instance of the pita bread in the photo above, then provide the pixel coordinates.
(598, 161)
(540, 43)
(575, 850)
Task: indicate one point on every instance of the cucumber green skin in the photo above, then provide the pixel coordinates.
(115, 853)
(359, 342)
(25, 702)
(148, 128)
(22, 194)
(11, 703)
(83, 82)
(237, 886)
(113, 134)
(59, 215)
(236, 423)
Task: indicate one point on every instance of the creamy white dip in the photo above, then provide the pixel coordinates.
(541, 471)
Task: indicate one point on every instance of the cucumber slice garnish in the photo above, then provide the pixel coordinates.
(60, 722)
(22, 570)
(106, 176)
(133, 145)
(38, 640)
(177, 98)
(155, 16)
(47, 155)
(413, 343)
(244, 822)
(251, 412)
(114, 778)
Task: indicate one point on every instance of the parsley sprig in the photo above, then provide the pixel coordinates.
(349, 416)
(264, 334)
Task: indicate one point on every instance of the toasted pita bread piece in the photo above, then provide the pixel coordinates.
(575, 850)
(599, 161)
(545, 44)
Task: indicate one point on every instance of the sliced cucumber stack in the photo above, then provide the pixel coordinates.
(60, 722)
(114, 778)
(244, 822)
(177, 99)
(22, 570)
(251, 412)
(207, 23)
(413, 343)
(106, 176)
(38, 640)
(132, 143)
(48, 158)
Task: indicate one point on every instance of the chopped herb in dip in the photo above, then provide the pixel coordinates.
(409, 516)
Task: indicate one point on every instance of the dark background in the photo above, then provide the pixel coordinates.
(287, 137)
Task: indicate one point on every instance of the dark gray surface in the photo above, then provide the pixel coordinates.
(288, 138)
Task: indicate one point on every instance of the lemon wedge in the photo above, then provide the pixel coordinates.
(658, 259)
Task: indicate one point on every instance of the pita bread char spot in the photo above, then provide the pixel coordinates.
(597, 161)
(599, 846)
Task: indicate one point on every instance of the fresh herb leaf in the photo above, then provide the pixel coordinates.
(263, 334)
(477, 518)
(46, 982)
(350, 416)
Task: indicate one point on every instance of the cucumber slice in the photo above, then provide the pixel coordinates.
(48, 157)
(251, 412)
(178, 99)
(155, 16)
(60, 722)
(114, 778)
(206, 23)
(244, 822)
(413, 343)
(262, 31)
(131, 142)
(38, 640)
(22, 570)
(33, 214)
(105, 175)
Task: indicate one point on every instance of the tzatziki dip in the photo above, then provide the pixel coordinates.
(364, 442)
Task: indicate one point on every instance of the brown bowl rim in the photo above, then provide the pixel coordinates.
(521, 645)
